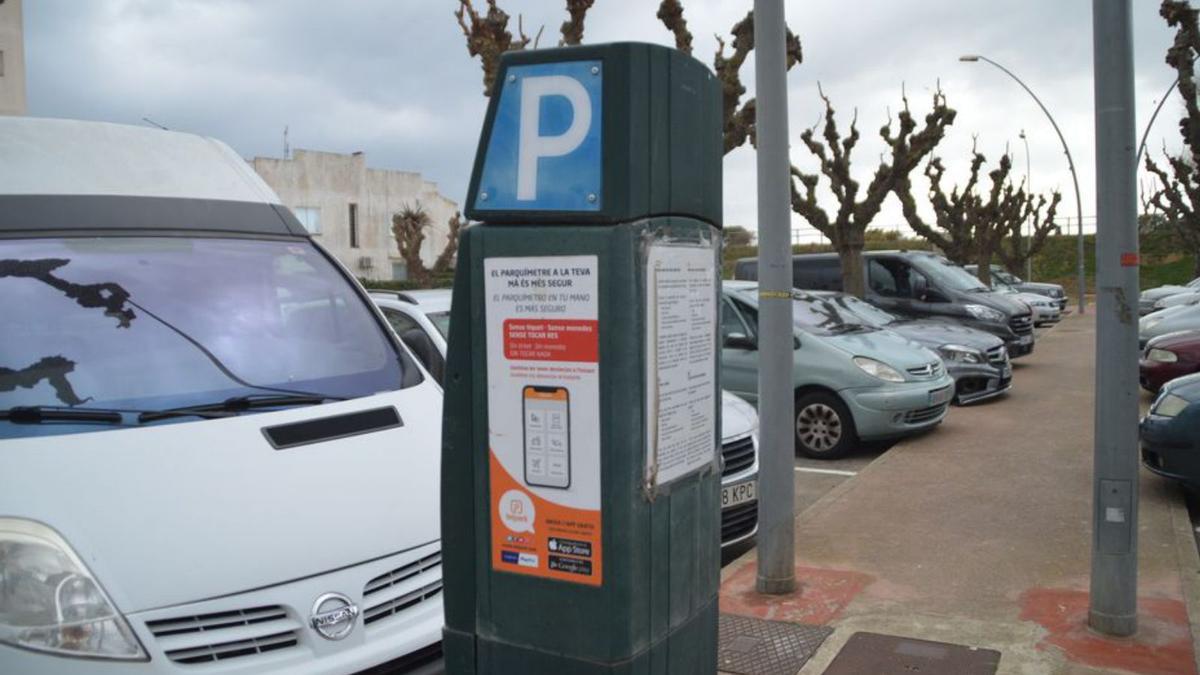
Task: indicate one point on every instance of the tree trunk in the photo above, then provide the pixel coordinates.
(853, 279)
(983, 258)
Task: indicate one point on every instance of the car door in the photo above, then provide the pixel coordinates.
(739, 364)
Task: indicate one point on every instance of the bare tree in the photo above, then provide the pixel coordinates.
(1178, 195)
(445, 260)
(488, 37)
(971, 228)
(846, 226)
(408, 227)
(738, 116)
(572, 28)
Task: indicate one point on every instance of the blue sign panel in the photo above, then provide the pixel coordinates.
(544, 151)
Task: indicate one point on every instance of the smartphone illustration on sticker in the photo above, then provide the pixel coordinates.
(547, 424)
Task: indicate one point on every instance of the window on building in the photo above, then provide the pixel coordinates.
(309, 217)
(353, 225)
(1, 63)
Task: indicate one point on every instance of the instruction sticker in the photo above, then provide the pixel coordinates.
(681, 361)
(543, 346)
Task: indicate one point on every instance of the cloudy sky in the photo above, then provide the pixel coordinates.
(393, 77)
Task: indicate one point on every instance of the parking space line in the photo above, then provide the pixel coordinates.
(832, 472)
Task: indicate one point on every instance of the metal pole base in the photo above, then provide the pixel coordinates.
(781, 586)
(1122, 625)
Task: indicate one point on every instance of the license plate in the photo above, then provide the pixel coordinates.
(732, 495)
(1025, 340)
(940, 396)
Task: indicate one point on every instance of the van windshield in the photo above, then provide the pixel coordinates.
(951, 276)
(151, 323)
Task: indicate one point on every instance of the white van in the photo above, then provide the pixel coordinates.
(214, 455)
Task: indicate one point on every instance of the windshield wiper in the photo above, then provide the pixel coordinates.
(844, 328)
(236, 405)
(37, 414)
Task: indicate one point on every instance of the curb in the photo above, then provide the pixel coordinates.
(1189, 567)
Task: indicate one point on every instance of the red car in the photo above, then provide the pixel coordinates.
(1169, 356)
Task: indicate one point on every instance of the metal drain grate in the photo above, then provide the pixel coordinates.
(750, 646)
(892, 655)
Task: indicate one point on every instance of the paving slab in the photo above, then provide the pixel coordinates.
(980, 534)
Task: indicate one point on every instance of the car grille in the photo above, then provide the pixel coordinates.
(219, 636)
(997, 355)
(738, 455)
(738, 521)
(924, 414)
(929, 370)
(1022, 324)
(404, 587)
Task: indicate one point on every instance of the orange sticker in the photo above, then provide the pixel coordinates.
(1129, 260)
(534, 536)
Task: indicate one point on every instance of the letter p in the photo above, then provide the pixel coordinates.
(533, 146)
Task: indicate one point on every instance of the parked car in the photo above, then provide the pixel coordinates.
(200, 414)
(1045, 309)
(852, 381)
(976, 360)
(1189, 297)
(1170, 320)
(1049, 290)
(1169, 356)
(422, 320)
(1148, 297)
(1170, 432)
(918, 285)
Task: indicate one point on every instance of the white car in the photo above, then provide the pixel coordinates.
(1046, 310)
(215, 457)
(422, 320)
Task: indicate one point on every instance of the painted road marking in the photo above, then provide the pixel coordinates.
(832, 472)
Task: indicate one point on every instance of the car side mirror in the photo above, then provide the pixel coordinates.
(740, 341)
(426, 351)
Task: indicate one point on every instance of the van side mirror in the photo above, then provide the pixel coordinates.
(920, 287)
(932, 295)
(740, 341)
(424, 349)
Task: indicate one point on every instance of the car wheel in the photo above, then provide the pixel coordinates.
(824, 427)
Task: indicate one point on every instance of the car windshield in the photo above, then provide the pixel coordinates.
(951, 276)
(864, 311)
(824, 316)
(441, 321)
(1009, 279)
(146, 324)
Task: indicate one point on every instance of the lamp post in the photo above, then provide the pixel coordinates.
(1029, 187)
(972, 58)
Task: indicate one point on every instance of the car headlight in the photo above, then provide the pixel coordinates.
(960, 353)
(1162, 356)
(878, 369)
(984, 313)
(1169, 405)
(49, 602)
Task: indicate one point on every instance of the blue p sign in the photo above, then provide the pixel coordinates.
(544, 151)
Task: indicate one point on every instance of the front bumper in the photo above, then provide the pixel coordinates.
(1154, 374)
(900, 409)
(1044, 315)
(739, 461)
(1168, 451)
(267, 631)
(975, 382)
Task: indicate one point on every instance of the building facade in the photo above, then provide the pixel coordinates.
(349, 207)
(12, 59)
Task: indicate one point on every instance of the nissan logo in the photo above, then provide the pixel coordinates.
(333, 616)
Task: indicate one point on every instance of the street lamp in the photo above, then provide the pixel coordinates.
(1029, 190)
(972, 58)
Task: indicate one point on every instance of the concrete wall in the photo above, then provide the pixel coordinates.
(331, 182)
(12, 59)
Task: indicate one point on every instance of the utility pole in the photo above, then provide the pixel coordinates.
(1113, 608)
(776, 402)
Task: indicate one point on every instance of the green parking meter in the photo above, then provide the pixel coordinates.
(580, 464)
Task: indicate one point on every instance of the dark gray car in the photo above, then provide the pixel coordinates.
(978, 361)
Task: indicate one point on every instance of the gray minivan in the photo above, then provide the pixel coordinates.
(918, 285)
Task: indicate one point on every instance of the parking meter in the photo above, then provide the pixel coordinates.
(580, 470)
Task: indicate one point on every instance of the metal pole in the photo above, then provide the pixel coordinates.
(776, 402)
(1142, 146)
(971, 58)
(1113, 609)
(1029, 189)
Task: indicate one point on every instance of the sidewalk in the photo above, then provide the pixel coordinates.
(980, 534)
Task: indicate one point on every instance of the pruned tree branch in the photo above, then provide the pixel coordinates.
(446, 259)
(670, 12)
(408, 228)
(488, 37)
(572, 28)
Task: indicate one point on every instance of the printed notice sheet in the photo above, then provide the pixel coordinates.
(681, 361)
